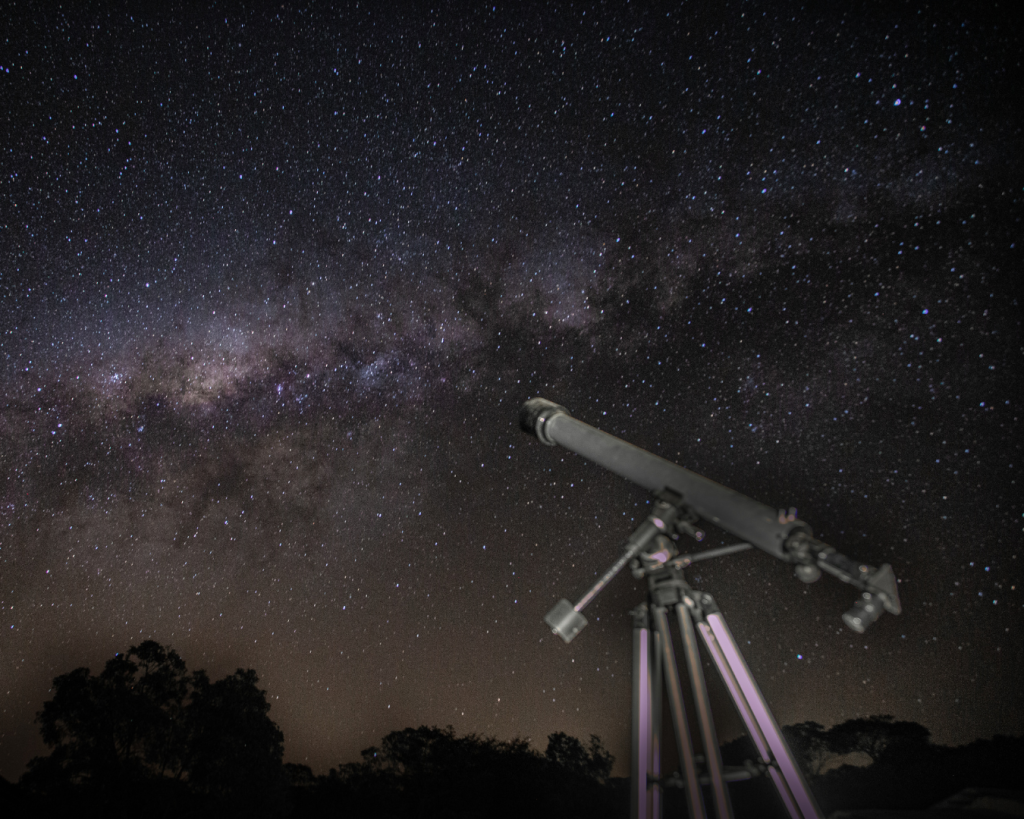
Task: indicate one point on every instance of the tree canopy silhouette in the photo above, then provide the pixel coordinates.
(145, 719)
(429, 771)
(877, 736)
(818, 749)
(568, 752)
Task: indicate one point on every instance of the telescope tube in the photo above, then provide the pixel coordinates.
(732, 511)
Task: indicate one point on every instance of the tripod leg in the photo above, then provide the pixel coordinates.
(657, 687)
(784, 794)
(675, 703)
(738, 699)
(743, 707)
(719, 791)
(783, 758)
(753, 730)
(639, 791)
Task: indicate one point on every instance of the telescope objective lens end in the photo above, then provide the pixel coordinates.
(534, 415)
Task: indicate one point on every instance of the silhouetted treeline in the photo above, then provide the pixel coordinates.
(430, 772)
(147, 737)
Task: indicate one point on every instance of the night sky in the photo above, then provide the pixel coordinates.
(274, 285)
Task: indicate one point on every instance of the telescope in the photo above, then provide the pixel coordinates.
(681, 500)
(781, 535)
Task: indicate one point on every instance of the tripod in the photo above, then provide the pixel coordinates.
(654, 664)
(652, 555)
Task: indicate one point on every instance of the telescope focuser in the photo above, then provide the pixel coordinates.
(878, 585)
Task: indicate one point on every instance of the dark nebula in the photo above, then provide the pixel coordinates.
(274, 284)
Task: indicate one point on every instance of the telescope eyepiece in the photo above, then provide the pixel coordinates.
(865, 611)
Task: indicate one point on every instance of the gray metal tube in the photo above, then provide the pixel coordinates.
(639, 800)
(702, 705)
(694, 797)
(657, 687)
(739, 700)
(736, 513)
(762, 713)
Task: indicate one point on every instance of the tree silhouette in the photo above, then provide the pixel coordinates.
(568, 752)
(234, 749)
(812, 746)
(144, 720)
(123, 724)
(429, 771)
(877, 736)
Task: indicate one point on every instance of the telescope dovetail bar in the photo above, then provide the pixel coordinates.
(782, 536)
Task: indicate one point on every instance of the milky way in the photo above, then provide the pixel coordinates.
(273, 287)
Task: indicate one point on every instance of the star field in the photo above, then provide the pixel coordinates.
(274, 284)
